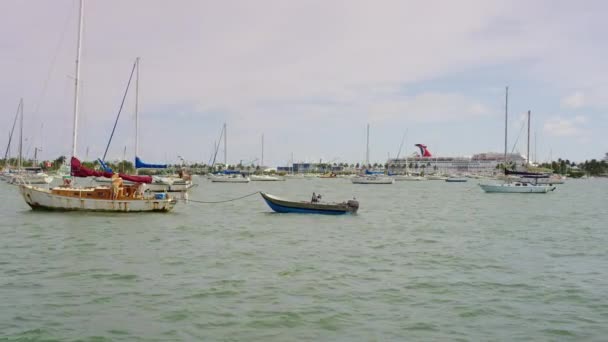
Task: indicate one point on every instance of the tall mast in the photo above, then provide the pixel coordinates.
(367, 148)
(21, 136)
(76, 78)
(137, 111)
(10, 136)
(528, 153)
(506, 121)
(262, 162)
(225, 147)
(535, 151)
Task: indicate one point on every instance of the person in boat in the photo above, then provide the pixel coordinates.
(319, 198)
(67, 181)
(116, 186)
(314, 198)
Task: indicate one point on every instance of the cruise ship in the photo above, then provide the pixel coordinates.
(481, 163)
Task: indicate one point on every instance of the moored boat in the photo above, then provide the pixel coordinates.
(456, 179)
(517, 187)
(265, 178)
(100, 198)
(308, 207)
(402, 178)
(229, 178)
(373, 179)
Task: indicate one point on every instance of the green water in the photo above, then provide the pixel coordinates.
(421, 261)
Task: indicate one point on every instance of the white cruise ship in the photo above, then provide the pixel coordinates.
(482, 163)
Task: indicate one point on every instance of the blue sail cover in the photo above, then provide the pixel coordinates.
(368, 172)
(104, 167)
(141, 165)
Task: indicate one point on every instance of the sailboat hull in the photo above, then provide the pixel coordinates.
(372, 180)
(43, 199)
(512, 188)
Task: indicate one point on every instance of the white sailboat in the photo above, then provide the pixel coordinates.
(264, 177)
(370, 177)
(27, 175)
(228, 177)
(118, 198)
(514, 187)
(406, 178)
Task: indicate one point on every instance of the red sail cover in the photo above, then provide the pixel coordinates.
(80, 171)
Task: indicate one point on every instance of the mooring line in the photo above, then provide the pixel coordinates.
(224, 201)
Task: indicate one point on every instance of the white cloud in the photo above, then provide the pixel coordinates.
(576, 100)
(560, 127)
(427, 107)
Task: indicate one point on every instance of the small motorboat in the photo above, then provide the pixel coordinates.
(456, 179)
(308, 207)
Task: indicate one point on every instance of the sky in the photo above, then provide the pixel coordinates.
(309, 76)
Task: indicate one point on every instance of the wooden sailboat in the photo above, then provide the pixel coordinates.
(117, 198)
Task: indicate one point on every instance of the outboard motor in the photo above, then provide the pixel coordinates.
(354, 204)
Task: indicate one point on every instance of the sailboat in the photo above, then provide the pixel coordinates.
(264, 177)
(370, 177)
(228, 176)
(514, 187)
(27, 175)
(180, 183)
(117, 198)
(407, 176)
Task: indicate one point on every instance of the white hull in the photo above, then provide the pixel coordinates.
(265, 178)
(31, 179)
(372, 180)
(520, 188)
(433, 177)
(229, 179)
(404, 178)
(43, 199)
(181, 186)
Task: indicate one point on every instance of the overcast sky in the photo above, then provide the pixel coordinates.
(309, 75)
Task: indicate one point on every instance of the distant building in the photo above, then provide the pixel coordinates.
(310, 168)
(478, 163)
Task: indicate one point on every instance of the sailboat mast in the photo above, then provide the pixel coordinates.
(528, 153)
(262, 162)
(535, 151)
(225, 147)
(136, 111)
(506, 122)
(367, 148)
(10, 136)
(21, 137)
(77, 77)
